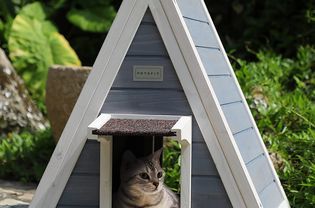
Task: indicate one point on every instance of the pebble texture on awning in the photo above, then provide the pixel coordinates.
(137, 127)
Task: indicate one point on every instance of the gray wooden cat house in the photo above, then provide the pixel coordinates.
(162, 64)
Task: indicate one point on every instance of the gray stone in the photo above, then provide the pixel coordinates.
(17, 110)
(63, 88)
(10, 201)
(15, 194)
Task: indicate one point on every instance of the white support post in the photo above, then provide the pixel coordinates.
(106, 171)
(183, 130)
(185, 180)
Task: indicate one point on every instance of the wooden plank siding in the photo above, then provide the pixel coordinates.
(210, 193)
(82, 189)
(271, 195)
(160, 98)
(258, 169)
(202, 34)
(230, 99)
(192, 9)
(236, 116)
(124, 78)
(248, 147)
(225, 89)
(213, 61)
(147, 42)
(89, 159)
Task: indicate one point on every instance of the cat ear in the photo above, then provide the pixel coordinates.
(157, 154)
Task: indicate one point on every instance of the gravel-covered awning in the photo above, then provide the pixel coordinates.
(137, 127)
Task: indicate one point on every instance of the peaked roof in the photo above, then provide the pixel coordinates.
(199, 71)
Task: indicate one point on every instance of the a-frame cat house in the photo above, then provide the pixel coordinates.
(161, 58)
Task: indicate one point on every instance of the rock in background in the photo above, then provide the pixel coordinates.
(63, 88)
(17, 110)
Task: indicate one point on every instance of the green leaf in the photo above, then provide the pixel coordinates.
(1, 26)
(34, 45)
(95, 19)
(34, 10)
(59, 45)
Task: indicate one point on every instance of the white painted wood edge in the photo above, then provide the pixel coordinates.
(106, 149)
(284, 204)
(145, 116)
(185, 177)
(183, 130)
(100, 121)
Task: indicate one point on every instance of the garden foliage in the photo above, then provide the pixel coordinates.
(24, 156)
(171, 164)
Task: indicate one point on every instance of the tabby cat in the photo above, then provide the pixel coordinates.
(142, 184)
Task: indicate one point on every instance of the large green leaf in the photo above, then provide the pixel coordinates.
(34, 10)
(62, 53)
(35, 45)
(92, 19)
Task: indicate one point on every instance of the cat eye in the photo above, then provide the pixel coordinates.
(144, 176)
(160, 174)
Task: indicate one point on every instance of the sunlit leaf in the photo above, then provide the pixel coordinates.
(62, 53)
(35, 45)
(34, 10)
(95, 19)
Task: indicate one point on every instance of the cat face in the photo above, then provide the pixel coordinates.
(143, 175)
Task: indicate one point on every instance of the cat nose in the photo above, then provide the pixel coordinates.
(156, 184)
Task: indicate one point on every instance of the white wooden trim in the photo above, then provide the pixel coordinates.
(185, 175)
(145, 116)
(238, 186)
(97, 124)
(183, 130)
(284, 204)
(106, 148)
(100, 121)
(89, 103)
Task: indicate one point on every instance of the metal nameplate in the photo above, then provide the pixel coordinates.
(148, 73)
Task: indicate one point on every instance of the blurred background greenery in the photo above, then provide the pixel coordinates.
(271, 45)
